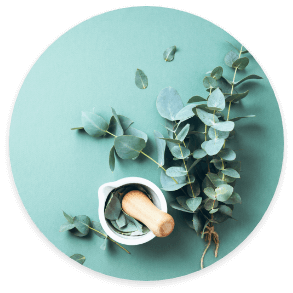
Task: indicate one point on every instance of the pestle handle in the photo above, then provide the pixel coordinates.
(136, 204)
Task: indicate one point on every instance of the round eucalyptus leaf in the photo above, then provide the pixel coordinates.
(129, 146)
(234, 198)
(112, 159)
(183, 133)
(176, 172)
(218, 164)
(198, 154)
(180, 152)
(227, 154)
(79, 258)
(169, 184)
(223, 192)
(97, 226)
(141, 79)
(182, 201)
(252, 76)
(209, 82)
(196, 99)
(214, 179)
(93, 124)
(169, 103)
(226, 178)
(214, 133)
(207, 118)
(224, 126)
(210, 204)
(217, 73)
(210, 192)
(236, 165)
(236, 97)
(197, 223)
(225, 210)
(230, 58)
(135, 132)
(187, 112)
(213, 146)
(161, 147)
(193, 203)
(177, 206)
(231, 172)
(216, 100)
(240, 63)
(113, 208)
(169, 54)
(82, 223)
(65, 227)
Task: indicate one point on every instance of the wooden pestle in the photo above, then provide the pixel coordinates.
(136, 204)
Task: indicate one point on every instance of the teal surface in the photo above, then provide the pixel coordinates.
(93, 66)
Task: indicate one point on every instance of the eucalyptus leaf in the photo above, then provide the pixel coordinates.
(119, 126)
(234, 198)
(82, 224)
(218, 164)
(237, 97)
(169, 54)
(129, 146)
(141, 79)
(176, 172)
(216, 100)
(240, 63)
(231, 172)
(234, 47)
(93, 124)
(134, 221)
(97, 226)
(121, 221)
(214, 133)
(223, 192)
(213, 146)
(161, 147)
(183, 133)
(65, 227)
(125, 122)
(209, 82)
(227, 154)
(135, 132)
(175, 141)
(113, 208)
(207, 118)
(169, 184)
(197, 223)
(112, 159)
(209, 204)
(225, 210)
(170, 126)
(79, 258)
(68, 218)
(214, 179)
(104, 244)
(182, 201)
(194, 164)
(169, 103)
(212, 211)
(193, 189)
(217, 73)
(252, 76)
(224, 126)
(180, 152)
(198, 154)
(226, 178)
(238, 118)
(77, 128)
(196, 99)
(187, 112)
(230, 58)
(130, 227)
(193, 203)
(177, 206)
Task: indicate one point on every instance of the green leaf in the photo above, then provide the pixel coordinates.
(141, 79)
(226, 178)
(214, 179)
(130, 227)
(210, 203)
(134, 221)
(112, 159)
(237, 97)
(125, 122)
(231, 172)
(212, 211)
(230, 58)
(65, 227)
(236, 165)
(217, 163)
(182, 201)
(77, 128)
(234, 198)
(169, 103)
(176, 172)
(169, 54)
(197, 223)
(213, 133)
(223, 192)
(171, 140)
(252, 76)
(169, 184)
(113, 208)
(234, 46)
(135, 132)
(177, 206)
(68, 218)
(227, 154)
(161, 147)
(198, 154)
(187, 112)
(119, 126)
(93, 124)
(82, 224)
(195, 189)
(104, 244)
(240, 63)
(224, 126)
(194, 164)
(196, 99)
(180, 152)
(97, 226)
(129, 146)
(79, 258)
(170, 125)
(121, 221)
(213, 146)
(238, 118)
(209, 82)
(210, 192)
(225, 210)
(217, 73)
(216, 100)
(183, 133)
(193, 203)
(207, 118)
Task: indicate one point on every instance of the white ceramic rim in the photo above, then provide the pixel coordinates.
(128, 180)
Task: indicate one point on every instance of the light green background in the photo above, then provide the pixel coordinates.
(93, 65)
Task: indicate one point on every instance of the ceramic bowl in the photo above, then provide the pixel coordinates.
(158, 200)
